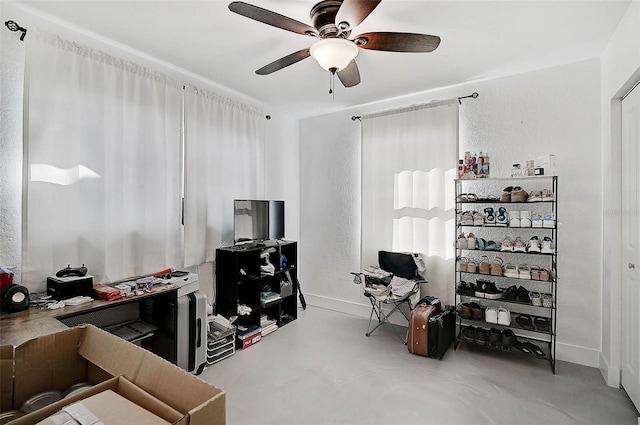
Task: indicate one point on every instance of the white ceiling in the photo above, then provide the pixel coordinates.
(480, 39)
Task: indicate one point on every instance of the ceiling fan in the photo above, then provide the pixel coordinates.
(335, 51)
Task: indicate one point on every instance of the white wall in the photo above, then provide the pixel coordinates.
(620, 70)
(281, 131)
(551, 111)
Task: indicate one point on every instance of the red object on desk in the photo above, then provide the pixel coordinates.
(6, 279)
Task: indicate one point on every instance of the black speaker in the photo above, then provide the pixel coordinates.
(15, 298)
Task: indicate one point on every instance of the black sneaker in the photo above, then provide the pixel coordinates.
(491, 292)
(508, 339)
(469, 334)
(511, 293)
(523, 295)
(461, 288)
(471, 289)
(481, 336)
(495, 337)
(480, 288)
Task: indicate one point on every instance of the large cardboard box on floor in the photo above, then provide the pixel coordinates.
(86, 353)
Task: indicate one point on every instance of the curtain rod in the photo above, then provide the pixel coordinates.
(473, 95)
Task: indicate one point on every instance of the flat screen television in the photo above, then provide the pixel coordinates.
(257, 220)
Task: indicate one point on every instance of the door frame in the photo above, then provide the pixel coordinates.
(611, 359)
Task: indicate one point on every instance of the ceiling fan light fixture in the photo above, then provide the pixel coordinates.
(334, 53)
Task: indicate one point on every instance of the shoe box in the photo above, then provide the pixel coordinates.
(127, 381)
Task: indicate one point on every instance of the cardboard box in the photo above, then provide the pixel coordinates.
(89, 354)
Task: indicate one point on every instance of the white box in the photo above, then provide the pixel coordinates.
(548, 163)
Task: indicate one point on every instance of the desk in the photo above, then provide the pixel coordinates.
(154, 307)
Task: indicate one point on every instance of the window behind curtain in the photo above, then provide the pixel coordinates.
(408, 173)
(102, 164)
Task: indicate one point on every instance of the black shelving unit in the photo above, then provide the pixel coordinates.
(240, 279)
(486, 193)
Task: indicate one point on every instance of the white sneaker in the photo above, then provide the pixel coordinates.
(525, 218)
(491, 315)
(504, 317)
(514, 218)
(466, 218)
(549, 221)
(547, 195)
(519, 245)
(548, 247)
(471, 241)
(501, 217)
(534, 244)
(536, 221)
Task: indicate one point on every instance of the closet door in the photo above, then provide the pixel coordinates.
(631, 246)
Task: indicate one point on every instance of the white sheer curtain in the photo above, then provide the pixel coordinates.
(224, 160)
(102, 164)
(408, 171)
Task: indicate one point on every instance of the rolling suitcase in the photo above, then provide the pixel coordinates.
(442, 332)
(418, 332)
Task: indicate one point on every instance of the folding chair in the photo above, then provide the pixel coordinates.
(394, 283)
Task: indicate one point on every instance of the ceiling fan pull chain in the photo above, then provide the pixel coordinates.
(332, 75)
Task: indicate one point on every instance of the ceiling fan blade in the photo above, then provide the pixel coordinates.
(398, 41)
(284, 62)
(355, 11)
(350, 76)
(271, 18)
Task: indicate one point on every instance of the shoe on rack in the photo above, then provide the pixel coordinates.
(508, 339)
(465, 218)
(480, 288)
(525, 218)
(547, 300)
(506, 194)
(489, 217)
(504, 317)
(545, 275)
(477, 311)
(535, 272)
(524, 271)
(511, 270)
(495, 337)
(519, 195)
(511, 293)
(496, 266)
(523, 295)
(471, 241)
(535, 196)
(507, 244)
(470, 290)
(519, 245)
(525, 322)
(501, 218)
(536, 298)
(491, 246)
(529, 348)
(542, 324)
(533, 245)
(464, 310)
(469, 334)
(478, 218)
(461, 264)
(547, 195)
(514, 218)
(462, 287)
(491, 315)
(549, 221)
(462, 242)
(484, 267)
(472, 266)
(481, 336)
(548, 246)
(536, 220)
(481, 244)
(491, 292)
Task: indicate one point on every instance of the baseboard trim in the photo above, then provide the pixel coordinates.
(565, 352)
(610, 374)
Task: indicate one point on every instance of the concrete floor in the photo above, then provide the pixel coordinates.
(322, 369)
